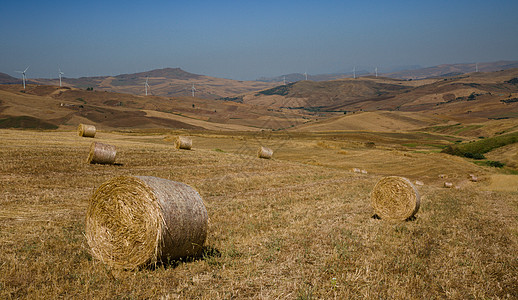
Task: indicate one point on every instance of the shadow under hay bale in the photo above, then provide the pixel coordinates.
(86, 130)
(395, 198)
(207, 253)
(183, 142)
(265, 153)
(133, 221)
(101, 154)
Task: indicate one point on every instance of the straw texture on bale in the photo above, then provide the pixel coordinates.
(86, 130)
(101, 154)
(265, 153)
(133, 221)
(395, 198)
(183, 142)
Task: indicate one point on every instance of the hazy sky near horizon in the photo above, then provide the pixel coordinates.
(249, 39)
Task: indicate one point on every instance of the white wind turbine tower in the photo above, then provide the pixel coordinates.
(476, 67)
(60, 74)
(354, 72)
(24, 77)
(146, 85)
(193, 90)
(284, 80)
(376, 70)
(306, 75)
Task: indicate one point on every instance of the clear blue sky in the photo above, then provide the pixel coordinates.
(250, 39)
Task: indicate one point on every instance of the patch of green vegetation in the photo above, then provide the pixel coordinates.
(81, 99)
(238, 99)
(219, 150)
(477, 149)
(491, 163)
(466, 128)
(25, 122)
(511, 100)
(281, 90)
(411, 145)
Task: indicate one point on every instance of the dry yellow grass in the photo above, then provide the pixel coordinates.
(278, 228)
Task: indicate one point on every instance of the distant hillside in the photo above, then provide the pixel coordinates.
(6, 79)
(335, 95)
(474, 97)
(169, 82)
(453, 70)
(404, 72)
(294, 77)
(48, 107)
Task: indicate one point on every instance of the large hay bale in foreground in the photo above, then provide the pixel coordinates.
(265, 153)
(86, 130)
(101, 154)
(140, 220)
(395, 198)
(183, 142)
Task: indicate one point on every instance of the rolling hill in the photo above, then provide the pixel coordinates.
(7, 79)
(452, 70)
(365, 103)
(50, 107)
(167, 82)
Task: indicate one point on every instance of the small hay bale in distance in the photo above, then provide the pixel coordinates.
(448, 185)
(265, 153)
(86, 130)
(134, 221)
(395, 198)
(183, 142)
(101, 154)
(473, 178)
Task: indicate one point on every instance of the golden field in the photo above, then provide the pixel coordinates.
(298, 226)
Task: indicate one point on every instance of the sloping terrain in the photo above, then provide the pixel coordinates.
(7, 79)
(66, 107)
(453, 70)
(168, 82)
(473, 98)
(280, 228)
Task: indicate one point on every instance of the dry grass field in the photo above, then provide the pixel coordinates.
(298, 226)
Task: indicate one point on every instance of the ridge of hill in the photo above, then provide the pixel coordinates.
(399, 104)
(405, 73)
(446, 70)
(7, 79)
(167, 82)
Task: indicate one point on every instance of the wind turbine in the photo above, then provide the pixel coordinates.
(476, 67)
(60, 74)
(193, 90)
(24, 77)
(284, 80)
(354, 72)
(376, 70)
(306, 75)
(147, 85)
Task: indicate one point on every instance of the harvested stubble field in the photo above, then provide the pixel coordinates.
(278, 228)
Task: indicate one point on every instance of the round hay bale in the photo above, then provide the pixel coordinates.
(183, 142)
(448, 185)
(86, 130)
(265, 153)
(395, 198)
(134, 221)
(101, 154)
